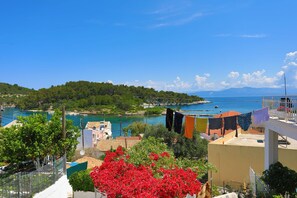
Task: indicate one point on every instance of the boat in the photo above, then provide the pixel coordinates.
(216, 106)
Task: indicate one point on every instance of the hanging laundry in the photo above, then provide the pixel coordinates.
(245, 120)
(230, 124)
(189, 126)
(201, 124)
(169, 119)
(214, 123)
(178, 121)
(261, 116)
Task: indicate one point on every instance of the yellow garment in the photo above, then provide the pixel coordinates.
(189, 127)
(201, 124)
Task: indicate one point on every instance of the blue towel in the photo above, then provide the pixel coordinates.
(245, 120)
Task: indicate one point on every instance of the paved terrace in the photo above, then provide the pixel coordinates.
(258, 141)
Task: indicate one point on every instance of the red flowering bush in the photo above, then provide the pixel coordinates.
(154, 156)
(165, 154)
(118, 178)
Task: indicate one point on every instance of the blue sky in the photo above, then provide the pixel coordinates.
(164, 44)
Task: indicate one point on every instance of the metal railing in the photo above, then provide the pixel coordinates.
(257, 186)
(26, 184)
(284, 108)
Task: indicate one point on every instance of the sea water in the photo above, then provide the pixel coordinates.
(216, 105)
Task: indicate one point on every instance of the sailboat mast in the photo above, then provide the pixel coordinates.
(285, 84)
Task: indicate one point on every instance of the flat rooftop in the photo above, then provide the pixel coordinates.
(258, 141)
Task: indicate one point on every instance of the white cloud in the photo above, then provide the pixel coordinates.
(252, 36)
(285, 67)
(188, 19)
(205, 82)
(258, 79)
(233, 75)
(225, 84)
(242, 35)
(291, 55)
(202, 82)
(176, 85)
(152, 84)
(179, 21)
(175, 15)
(160, 25)
(170, 9)
(280, 73)
(292, 63)
(179, 84)
(223, 35)
(110, 81)
(290, 68)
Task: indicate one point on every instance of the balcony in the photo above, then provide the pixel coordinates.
(283, 121)
(282, 108)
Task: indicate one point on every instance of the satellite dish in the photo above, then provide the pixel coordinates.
(82, 152)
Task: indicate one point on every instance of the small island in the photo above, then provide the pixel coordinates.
(83, 97)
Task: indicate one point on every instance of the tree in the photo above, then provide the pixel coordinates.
(136, 128)
(159, 131)
(83, 95)
(280, 179)
(35, 137)
(195, 148)
(183, 147)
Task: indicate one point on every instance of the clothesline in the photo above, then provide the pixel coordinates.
(223, 123)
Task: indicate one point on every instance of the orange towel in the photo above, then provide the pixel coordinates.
(189, 127)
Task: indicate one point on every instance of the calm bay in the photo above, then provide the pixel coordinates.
(222, 104)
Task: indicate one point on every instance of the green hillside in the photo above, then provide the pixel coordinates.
(10, 94)
(6, 89)
(100, 97)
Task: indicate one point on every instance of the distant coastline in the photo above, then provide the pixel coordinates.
(137, 113)
(189, 103)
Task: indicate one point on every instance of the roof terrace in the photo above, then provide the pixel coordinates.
(283, 121)
(282, 108)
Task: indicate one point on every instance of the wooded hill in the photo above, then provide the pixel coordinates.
(9, 94)
(100, 97)
(6, 89)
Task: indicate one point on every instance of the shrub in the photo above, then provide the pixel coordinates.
(81, 181)
(118, 178)
(159, 131)
(139, 153)
(280, 179)
(136, 128)
(182, 147)
(154, 111)
(201, 167)
(195, 148)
